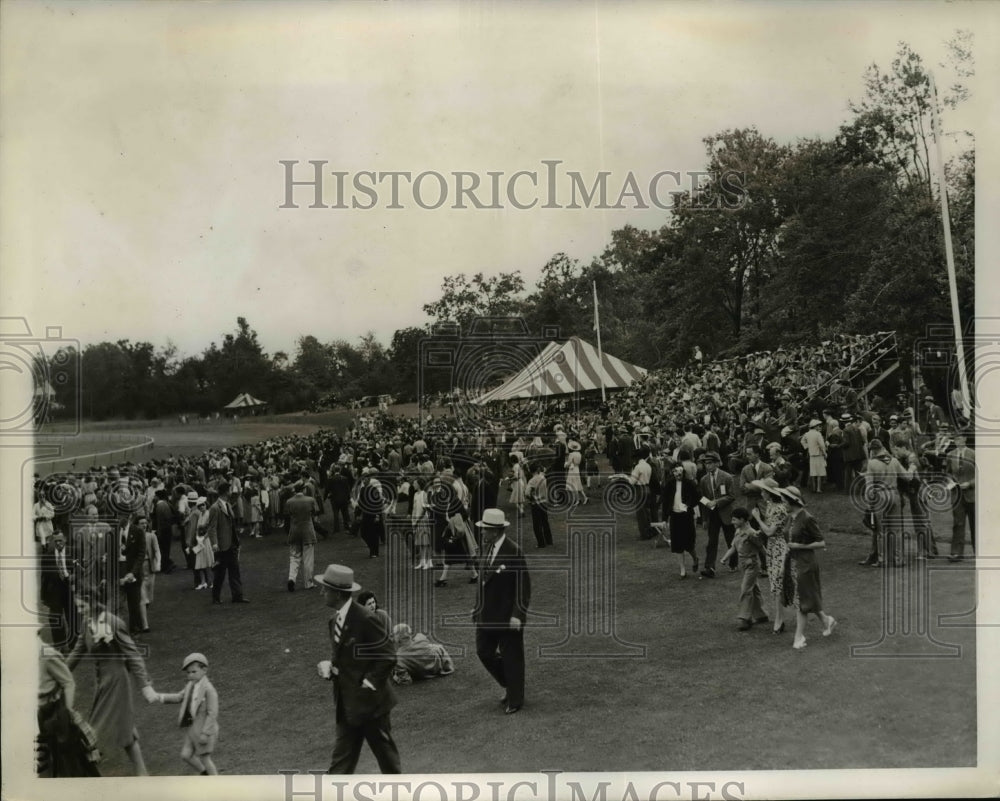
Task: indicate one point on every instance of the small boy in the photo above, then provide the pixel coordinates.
(746, 544)
(199, 715)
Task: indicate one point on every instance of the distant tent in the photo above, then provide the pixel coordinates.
(246, 402)
(564, 368)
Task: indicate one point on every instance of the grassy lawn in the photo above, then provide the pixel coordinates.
(680, 689)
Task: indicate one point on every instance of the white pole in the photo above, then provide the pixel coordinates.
(948, 251)
(600, 353)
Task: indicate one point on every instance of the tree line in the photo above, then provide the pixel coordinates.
(825, 236)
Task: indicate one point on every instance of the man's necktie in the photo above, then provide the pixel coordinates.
(337, 631)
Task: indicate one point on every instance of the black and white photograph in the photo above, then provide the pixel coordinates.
(532, 401)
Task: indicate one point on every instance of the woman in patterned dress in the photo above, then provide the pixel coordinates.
(772, 515)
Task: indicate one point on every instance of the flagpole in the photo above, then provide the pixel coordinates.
(949, 252)
(600, 353)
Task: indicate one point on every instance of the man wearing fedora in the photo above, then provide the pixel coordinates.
(362, 658)
(502, 608)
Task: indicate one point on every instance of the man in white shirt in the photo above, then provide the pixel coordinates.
(641, 475)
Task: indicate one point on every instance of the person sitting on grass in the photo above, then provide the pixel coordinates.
(199, 715)
(746, 544)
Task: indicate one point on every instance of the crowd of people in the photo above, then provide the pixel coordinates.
(731, 446)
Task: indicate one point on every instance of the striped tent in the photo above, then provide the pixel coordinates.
(560, 369)
(245, 401)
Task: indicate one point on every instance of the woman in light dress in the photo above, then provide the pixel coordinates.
(420, 517)
(574, 482)
(518, 483)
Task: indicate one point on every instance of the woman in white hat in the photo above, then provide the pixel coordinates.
(574, 483)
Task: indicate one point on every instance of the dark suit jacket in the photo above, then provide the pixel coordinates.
(221, 529)
(626, 453)
(364, 652)
(689, 495)
(725, 500)
(54, 590)
(504, 587)
(135, 553)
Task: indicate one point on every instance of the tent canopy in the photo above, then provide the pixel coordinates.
(563, 368)
(245, 401)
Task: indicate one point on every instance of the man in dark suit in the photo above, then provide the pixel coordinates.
(555, 475)
(130, 567)
(362, 657)
(57, 592)
(716, 486)
(164, 518)
(339, 491)
(502, 608)
(221, 532)
(626, 451)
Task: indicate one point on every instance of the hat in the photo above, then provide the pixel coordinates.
(928, 397)
(794, 494)
(814, 422)
(847, 417)
(338, 577)
(773, 446)
(202, 500)
(893, 417)
(765, 485)
(573, 446)
(711, 456)
(493, 518)
(786, 431)
(758, 430)
(192, 496)
(195, 657)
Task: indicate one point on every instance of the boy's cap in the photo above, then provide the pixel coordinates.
(195, 657)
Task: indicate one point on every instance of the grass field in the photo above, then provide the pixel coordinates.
(681, 689)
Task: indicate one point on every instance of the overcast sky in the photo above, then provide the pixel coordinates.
(142, 143)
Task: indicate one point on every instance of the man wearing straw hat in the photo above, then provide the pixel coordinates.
(361, 660)
(502, 608)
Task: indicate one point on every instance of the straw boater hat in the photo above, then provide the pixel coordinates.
(338, 577)
(493, 518)
(814, 422)
(192, 496)
(573, 446)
